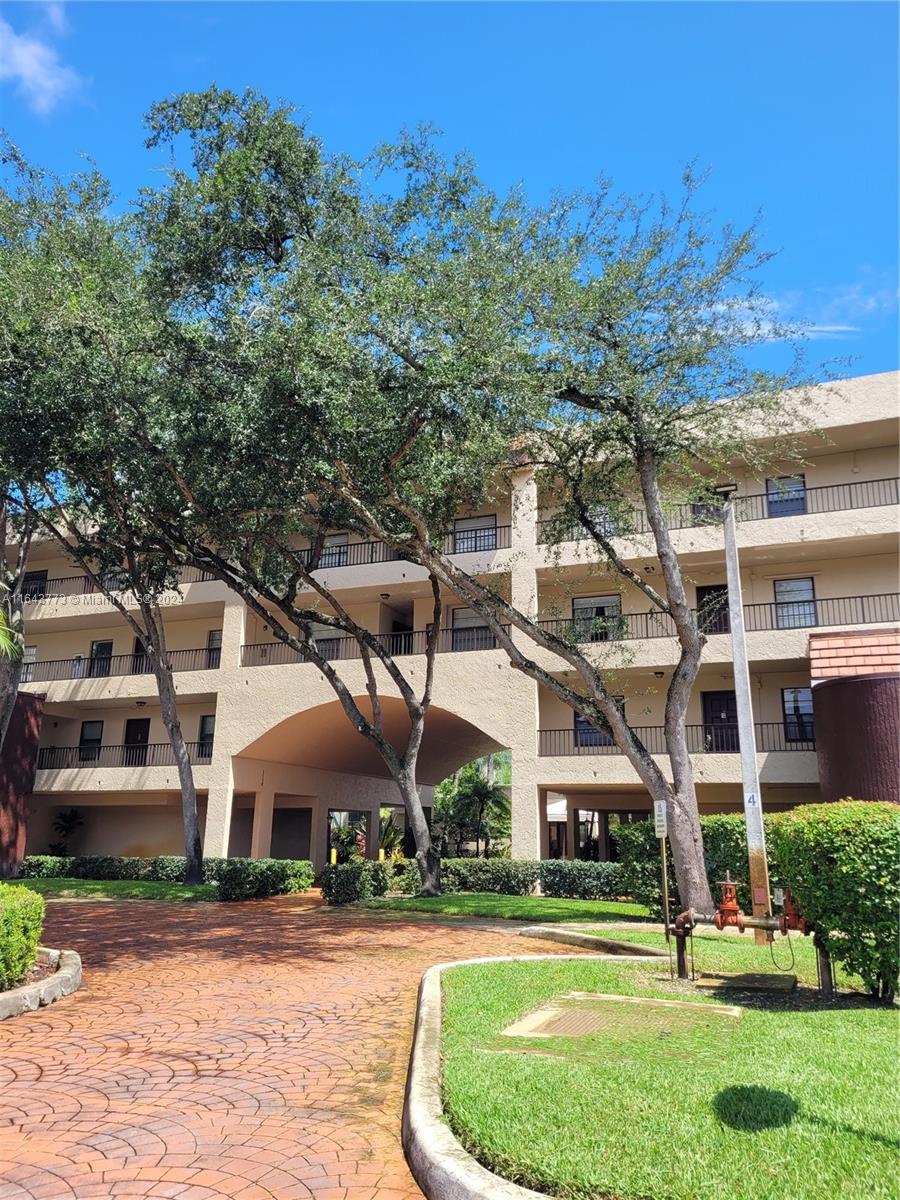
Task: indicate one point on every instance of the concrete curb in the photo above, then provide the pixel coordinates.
(440, 1165)
(572, 937)
(64, 980)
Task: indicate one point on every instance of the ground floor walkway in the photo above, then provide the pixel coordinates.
(256, 1051)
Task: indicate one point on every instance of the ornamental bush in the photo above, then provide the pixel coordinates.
(45, 866)
(358, 879)
(256, 878)
(842, 862)
(21, 922)
(505, 876)
(576, 880)
(170, 868)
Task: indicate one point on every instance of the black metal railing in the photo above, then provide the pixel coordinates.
(787, 614)
(341, 649)
(360, 554)
(83, 585)
(155, 754)
(788, 502)
(702, 739)
(103, 666)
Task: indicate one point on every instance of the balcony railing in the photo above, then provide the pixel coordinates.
(156, 754)
(702, 739)
(360, 554)
(83, 585)
(341, 649)
(84, 667)
(799, 501)
(788, 614)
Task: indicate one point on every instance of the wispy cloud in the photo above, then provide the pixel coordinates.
(840, 311)
(31, 64)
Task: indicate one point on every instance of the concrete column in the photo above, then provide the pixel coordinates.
(219, 802)
(523, 581)
(544, 828)
(228, 734)
(571, 827)
(526, 834)
(261, 837)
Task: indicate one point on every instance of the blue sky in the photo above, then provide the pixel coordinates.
(793, 107)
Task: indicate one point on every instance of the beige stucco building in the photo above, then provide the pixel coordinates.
(275, 756)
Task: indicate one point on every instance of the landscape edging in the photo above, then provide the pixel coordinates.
(64, 980)
(440, 1165)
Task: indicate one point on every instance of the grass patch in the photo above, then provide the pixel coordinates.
(534, 909)
(118, 889)
(797, 1100)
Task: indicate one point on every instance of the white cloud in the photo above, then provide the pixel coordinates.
(55, 14)
(33, 66)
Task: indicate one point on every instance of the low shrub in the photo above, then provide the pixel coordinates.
(358, 879)
(574, 880)
(842, 862)
(505, 876)
(21, 922)
(107, 866)
(170, 868)
(404, 877)
(256, 878)
(45, 866)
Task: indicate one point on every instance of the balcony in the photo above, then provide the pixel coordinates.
(801, 501)
(82, 585)
(343, 649)
(361, 554)
(792, 614)
(702, 739)
(157, 754)
(205, 659)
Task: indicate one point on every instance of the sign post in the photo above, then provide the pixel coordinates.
(661, 829)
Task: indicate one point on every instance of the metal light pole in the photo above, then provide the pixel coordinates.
(756, 837)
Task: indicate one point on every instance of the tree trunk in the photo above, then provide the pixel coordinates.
(426, 855)
(10, 678)
(193, 850)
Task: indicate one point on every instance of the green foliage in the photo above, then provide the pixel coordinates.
(842, 862)
(66, 824)
(349, 840)
(170, 868)
(506, 876)
(119, 889)
(45, 866)
(469, 809)
(21, 922)
(256, 878)
(358, 879)
(569, 878)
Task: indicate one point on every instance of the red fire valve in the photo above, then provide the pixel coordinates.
(790, 915)
(729, 911)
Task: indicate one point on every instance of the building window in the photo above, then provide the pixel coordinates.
(335, 550)
(90, 741)
(34, 585)
(786, 496)
(712, 608)
(101, 659)
(214, 649)
(587, 734)
(795, 603)
(469, 631)
(29, 656)
(206, 735)
(797, 706)
(474, 534)
(597, 618)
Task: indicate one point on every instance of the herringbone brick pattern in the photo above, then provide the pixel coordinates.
(255, 1051)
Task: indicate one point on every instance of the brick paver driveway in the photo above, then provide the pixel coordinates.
(254, 1050)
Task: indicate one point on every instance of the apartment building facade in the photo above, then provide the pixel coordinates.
(277, 763)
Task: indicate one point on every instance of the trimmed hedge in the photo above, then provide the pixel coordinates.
(238, 878)
(358, 879)
(842, 862)
(505, 876)
(21, 922)
(566, 878)
(256, 878)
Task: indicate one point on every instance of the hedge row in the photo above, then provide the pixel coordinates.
(238, 878)
(21, 922)
(503, 876)
(841, 861)
(358, 879)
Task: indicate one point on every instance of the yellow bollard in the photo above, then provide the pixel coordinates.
(381, 855)
(333, 857)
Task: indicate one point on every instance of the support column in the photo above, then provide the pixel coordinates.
(227, 740)
(544, 827)
(571, 827)
(261, 837)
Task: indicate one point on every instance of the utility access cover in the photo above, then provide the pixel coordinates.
(591, 1026)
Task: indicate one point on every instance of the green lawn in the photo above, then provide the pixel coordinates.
(118, 889)
(795, 1101)
(534, 909)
